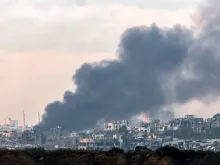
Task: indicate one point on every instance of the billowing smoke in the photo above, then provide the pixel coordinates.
(155, 67)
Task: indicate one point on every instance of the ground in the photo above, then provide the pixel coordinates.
(167, 156)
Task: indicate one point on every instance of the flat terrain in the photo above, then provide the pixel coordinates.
(163, 156)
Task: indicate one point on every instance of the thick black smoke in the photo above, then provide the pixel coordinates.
(203, 60)
(153, 64)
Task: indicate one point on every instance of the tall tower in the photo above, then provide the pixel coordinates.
(39, 117)
(24, 123)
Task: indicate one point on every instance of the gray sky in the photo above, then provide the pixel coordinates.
(43, 41)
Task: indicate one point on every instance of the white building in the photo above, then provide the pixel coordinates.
(116, 125)
(11, 123)
(99, 136)
(74, 134)
(143, 129)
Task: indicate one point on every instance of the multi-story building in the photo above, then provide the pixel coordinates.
(216, 119)
(189, 121)
(155, 125)
(11, 123)
(143, 129)
(116, 125)
(74, 134)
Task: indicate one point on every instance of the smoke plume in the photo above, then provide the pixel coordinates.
(156, 67)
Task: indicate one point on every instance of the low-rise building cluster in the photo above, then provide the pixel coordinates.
(187, 132)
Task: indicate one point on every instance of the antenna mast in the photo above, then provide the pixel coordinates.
(24, 123)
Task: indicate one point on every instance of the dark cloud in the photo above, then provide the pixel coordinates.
(121, 88)
(203, 56)
(148, 58)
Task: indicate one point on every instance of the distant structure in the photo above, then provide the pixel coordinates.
(10, 123)
(216, 118)
(189, 116)
(24, 123)
(116, 125)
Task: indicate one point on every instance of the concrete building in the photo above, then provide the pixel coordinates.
(155, 125)
(216, 119)
(99, 136)
(10, 134)
(116, 125)
(144, 129)
(74, 134)
(11, 123)
(189, 116)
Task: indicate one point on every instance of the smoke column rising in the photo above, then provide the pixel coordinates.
(155, 68)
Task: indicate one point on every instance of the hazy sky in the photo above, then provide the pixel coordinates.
(43, 42)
